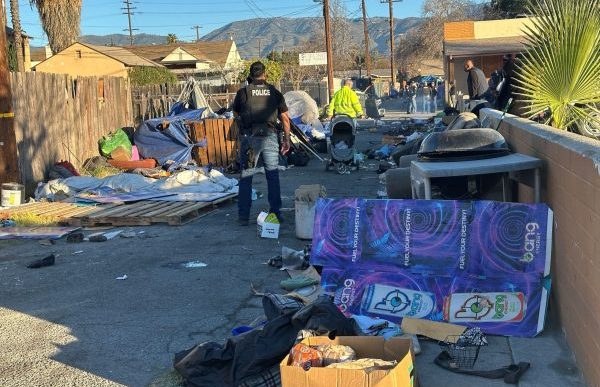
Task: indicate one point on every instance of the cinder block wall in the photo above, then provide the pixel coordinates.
(571, 187)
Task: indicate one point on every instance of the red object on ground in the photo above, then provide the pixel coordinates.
(146, 163)
(67, 165)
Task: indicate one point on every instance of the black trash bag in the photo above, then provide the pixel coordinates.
(251, 353)
(298, 158)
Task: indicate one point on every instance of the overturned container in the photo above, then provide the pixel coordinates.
(305, 201)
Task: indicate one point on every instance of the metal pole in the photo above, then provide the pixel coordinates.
(366, 28)
(391, 2)
(328, 47)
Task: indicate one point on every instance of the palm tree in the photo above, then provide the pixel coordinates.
(60, 21)
(171, 38)
(560, 70)
(18, 37)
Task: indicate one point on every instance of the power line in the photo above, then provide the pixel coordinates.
(128, 11)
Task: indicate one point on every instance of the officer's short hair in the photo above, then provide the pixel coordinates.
(257, 69)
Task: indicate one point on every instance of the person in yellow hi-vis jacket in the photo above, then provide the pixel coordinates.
(345, 101)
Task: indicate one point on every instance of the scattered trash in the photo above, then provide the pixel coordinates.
(122, 278)
(290, 259)
(268, 225)
(46, 242)
(511, 373)
(37, 232)
(194, 264)
(77, 252)
(298, 282)
(75, 237)
(104, 236)
(128, 234)
(43, 262)
(7, 223)
(433, 329)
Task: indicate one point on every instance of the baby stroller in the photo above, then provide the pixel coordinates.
(341, 145)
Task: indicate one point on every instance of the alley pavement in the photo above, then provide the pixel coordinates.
(75, 324)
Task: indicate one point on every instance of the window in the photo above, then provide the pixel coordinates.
(78, 52)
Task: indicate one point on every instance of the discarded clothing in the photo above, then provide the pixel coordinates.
(276, 305)
(249, 355)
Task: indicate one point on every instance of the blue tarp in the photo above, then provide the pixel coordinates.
(171, 143)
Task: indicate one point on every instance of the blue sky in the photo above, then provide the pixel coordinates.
(102, 17)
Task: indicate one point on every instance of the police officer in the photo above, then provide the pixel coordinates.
(257, 108)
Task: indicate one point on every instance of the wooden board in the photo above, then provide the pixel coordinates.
(221, 142)
(61, 211)
(146, 213)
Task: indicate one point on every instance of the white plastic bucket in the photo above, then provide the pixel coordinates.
(305, 219)
(12, 195)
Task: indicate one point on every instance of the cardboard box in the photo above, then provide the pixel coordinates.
(400, 349)
(268, 225)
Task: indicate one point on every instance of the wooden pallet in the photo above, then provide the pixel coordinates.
(146, 213)
(60, 211)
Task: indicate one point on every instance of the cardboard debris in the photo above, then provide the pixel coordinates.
(432, 329)
(268, 225)
(399, 349)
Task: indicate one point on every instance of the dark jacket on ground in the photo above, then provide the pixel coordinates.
(477, 84)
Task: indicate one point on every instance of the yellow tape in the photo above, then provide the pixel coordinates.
(7, 115)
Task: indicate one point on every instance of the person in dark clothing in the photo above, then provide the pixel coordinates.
(504, 89)
(257, 108)
(476, 82)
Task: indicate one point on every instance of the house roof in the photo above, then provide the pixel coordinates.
(124, 56)
(484, 46)
(213, 51)
(10, 32)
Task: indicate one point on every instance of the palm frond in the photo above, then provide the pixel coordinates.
(560, 70)
(60, 21)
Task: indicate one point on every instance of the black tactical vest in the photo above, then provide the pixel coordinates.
(261, 109)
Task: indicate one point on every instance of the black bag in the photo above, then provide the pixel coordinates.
(298, 158)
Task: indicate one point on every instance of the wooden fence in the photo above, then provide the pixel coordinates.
(152, 101)
(62, 118)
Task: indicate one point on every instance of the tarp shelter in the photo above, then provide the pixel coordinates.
(168, 138)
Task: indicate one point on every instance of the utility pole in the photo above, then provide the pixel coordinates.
(366, 28)
(9, 161)
(197, 28)
(129, 11)
(391, 3)
(259, 48)
(328, 45)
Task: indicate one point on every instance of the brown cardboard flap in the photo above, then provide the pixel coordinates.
(432, 329)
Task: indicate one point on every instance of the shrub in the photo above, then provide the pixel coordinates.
(151, 75)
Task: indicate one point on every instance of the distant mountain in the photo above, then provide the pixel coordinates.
(276, 34)
(286, 33)
(122, 39)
